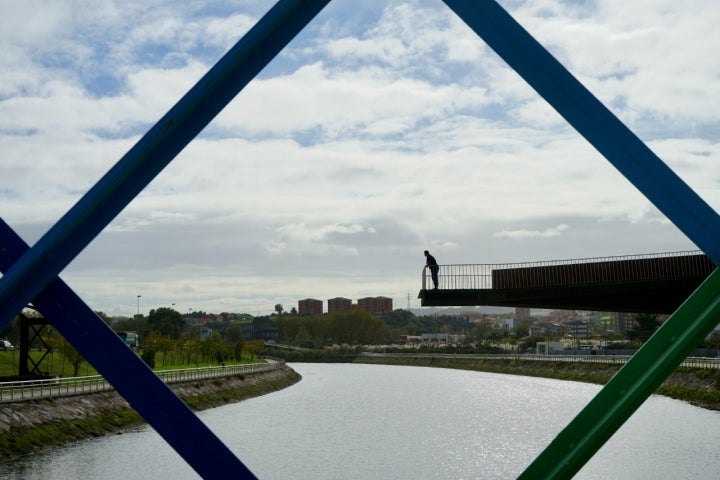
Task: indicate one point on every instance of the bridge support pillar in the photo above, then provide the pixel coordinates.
(31, 329)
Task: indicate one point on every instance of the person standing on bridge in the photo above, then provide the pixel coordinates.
(434, 268)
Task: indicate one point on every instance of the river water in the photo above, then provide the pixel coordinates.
(349, 421)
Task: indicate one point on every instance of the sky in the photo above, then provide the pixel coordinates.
(384, 129)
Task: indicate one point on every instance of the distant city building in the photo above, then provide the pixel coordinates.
(339, 304)
(623, 322)
(375, 305)
(548, 348)
(578, 329)
(253, 332)
(367, 304)
(437, 338)
(209, 318)
(261, 328)
(384, 304)
(514, 323)
(205, 333)
(411, 339)
(310, 306)
(522, 313)
(543, 328)
(441, 338)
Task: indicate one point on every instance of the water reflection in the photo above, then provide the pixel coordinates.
(386, 422)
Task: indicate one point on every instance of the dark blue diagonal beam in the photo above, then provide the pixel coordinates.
(594, 121)
(134, 171)
(143, 390)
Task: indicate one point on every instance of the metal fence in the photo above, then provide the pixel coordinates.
(574, 271)
(59, 387)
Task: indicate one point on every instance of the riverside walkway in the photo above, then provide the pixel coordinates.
(648, 283)
(25, 390)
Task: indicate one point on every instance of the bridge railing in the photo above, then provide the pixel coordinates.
(60, 387)
(569, 272)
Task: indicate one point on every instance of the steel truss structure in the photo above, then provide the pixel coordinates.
(31, 274)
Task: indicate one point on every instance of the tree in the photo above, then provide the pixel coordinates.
(233, 333)
(12, 331)
(357, 327)
(254, 347)
(72, 355)
(135, 324)
(238, 351)
(158, 343)
(279, 309)
(399, 318)
(148, 357)
(481, 330)
(166, 321)
(213, 348)
(646, 326)
(522, 329)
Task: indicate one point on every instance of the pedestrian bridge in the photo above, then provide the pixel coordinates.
(649, 283)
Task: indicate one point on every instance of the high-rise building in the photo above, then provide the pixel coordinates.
(310, 306)
(384, 305)
(375, 305)
(624, 321)
(339, 304)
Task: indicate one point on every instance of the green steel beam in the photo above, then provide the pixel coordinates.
(631, 386)
(649, 367)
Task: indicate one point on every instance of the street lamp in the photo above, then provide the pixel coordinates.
(138, 305)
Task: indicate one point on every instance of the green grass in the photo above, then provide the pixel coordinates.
(56, 365)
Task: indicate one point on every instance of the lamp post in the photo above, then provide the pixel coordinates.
(138, 305)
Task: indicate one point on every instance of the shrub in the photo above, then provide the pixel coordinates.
(148, 357)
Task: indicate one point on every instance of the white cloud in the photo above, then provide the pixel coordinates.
(370, 138)
(550, 232)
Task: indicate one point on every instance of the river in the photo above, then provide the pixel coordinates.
(349, 421)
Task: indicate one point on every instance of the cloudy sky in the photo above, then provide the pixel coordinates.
(385, 128)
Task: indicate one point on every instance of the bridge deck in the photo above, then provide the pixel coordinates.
(656, 283)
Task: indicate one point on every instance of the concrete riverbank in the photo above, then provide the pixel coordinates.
(697, 386)
(26, 427)
(30, 426)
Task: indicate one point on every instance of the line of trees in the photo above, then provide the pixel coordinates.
(163, 335)
(165, 332)
(353, 327)
(190, 349)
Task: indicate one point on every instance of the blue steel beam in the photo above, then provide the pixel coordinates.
(142, 389)
(31, 273)
(136, 169)
(594, 121)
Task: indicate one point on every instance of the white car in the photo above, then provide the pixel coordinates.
(5, 345)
